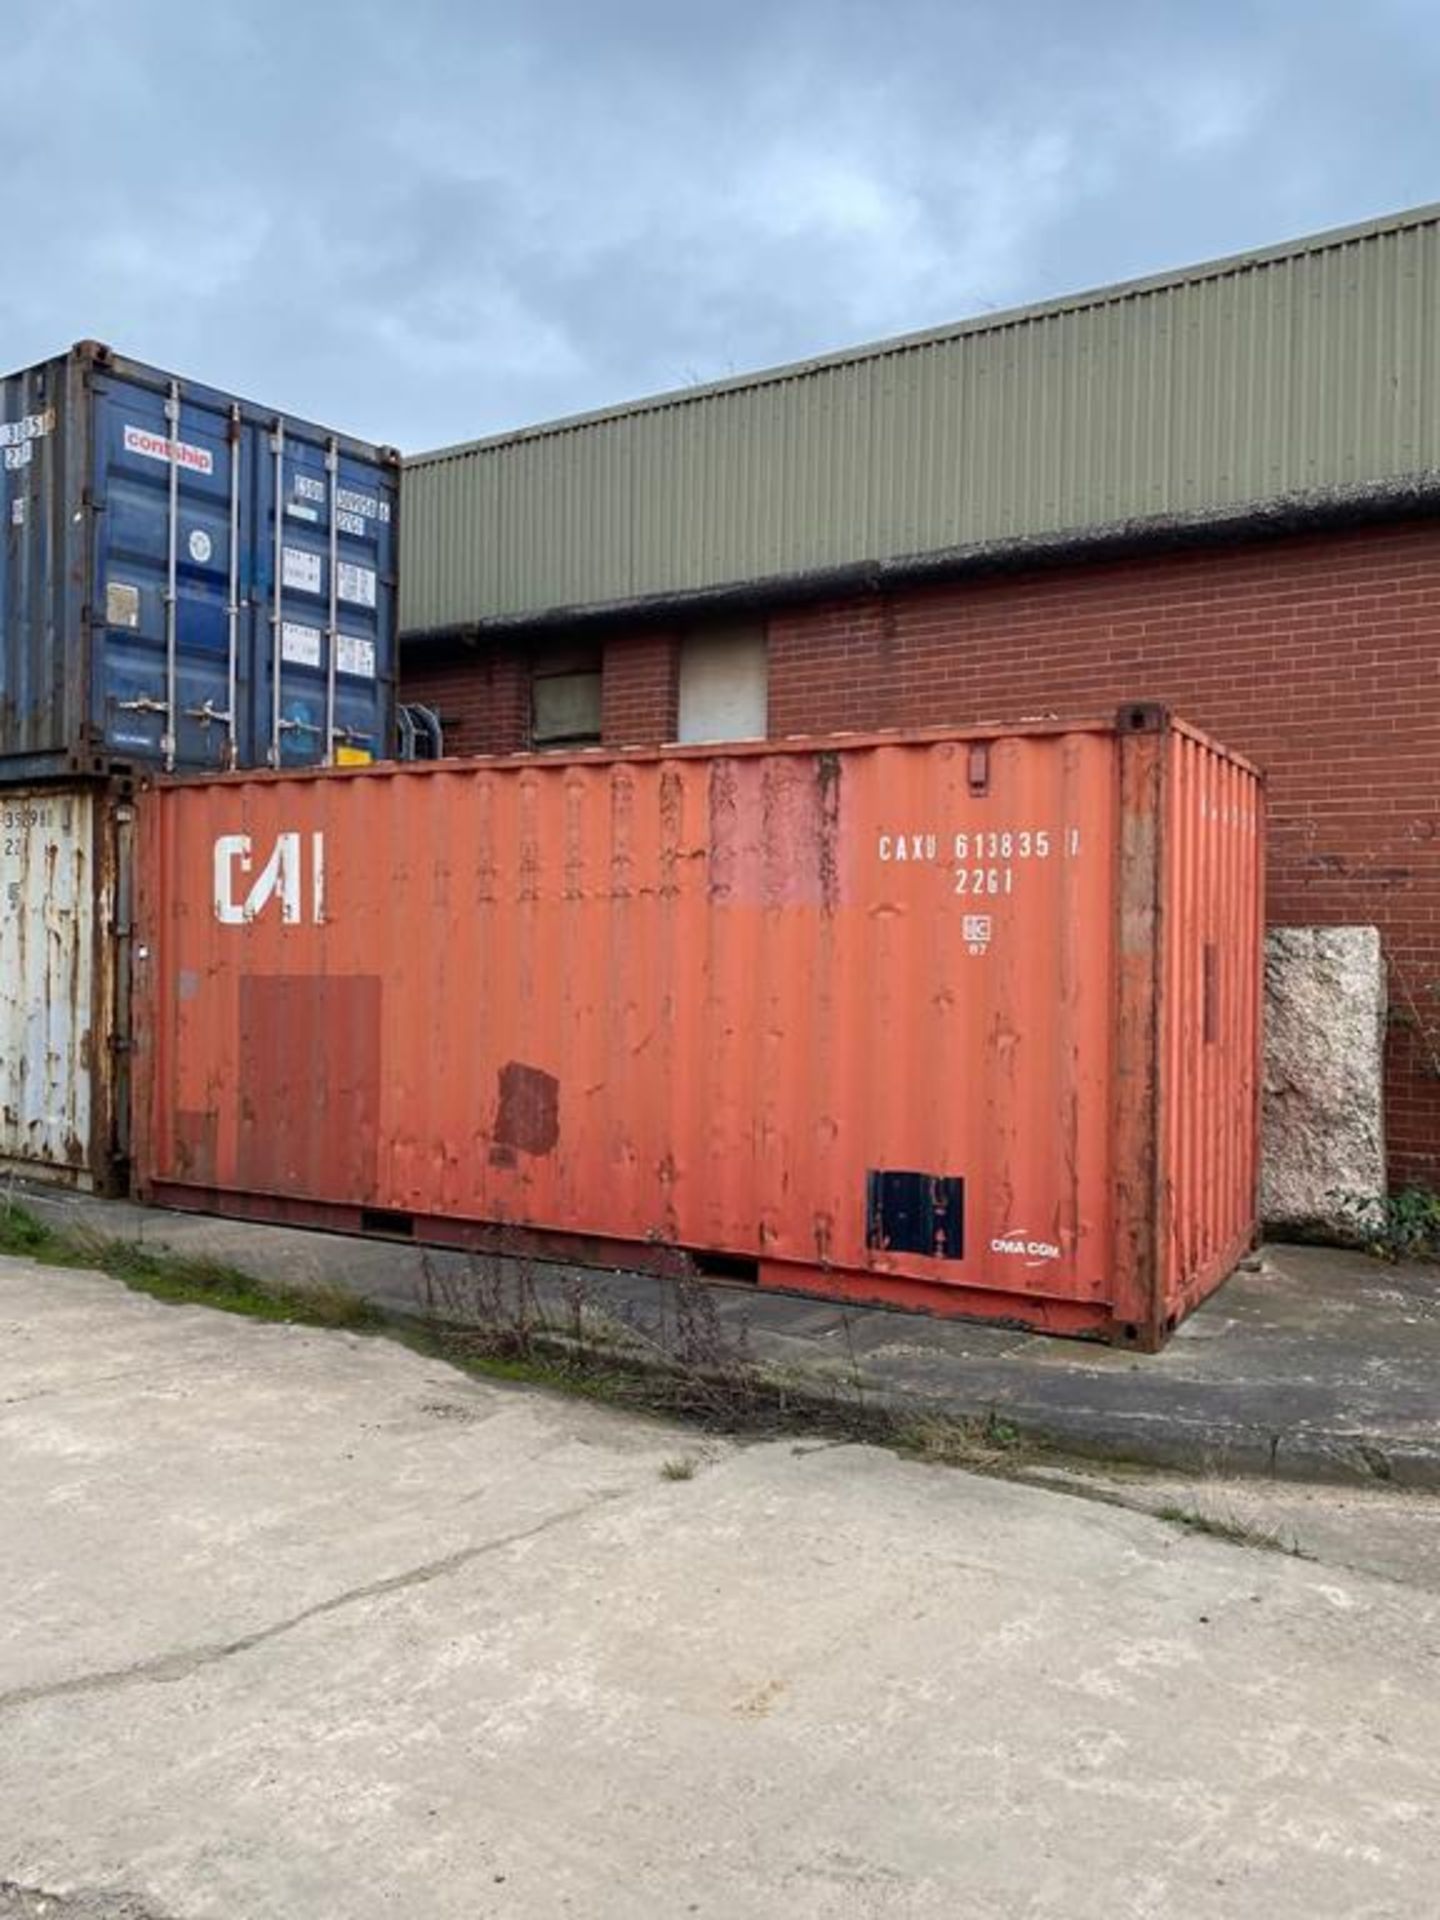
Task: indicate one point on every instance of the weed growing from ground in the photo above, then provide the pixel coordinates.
(984, 1441)
(1240, 1533)
(1401, 1226)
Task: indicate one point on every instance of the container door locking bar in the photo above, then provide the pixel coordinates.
(332, 631)
(277, 447)
(146, 702)
(172, 550)
(207, 713)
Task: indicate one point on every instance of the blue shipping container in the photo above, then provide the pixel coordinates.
(187, 581)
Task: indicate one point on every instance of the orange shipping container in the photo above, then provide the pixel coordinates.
(966, 1022)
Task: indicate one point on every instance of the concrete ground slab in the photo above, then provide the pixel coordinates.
(303, 1624)
(1312, 1363)
(1389, 1531)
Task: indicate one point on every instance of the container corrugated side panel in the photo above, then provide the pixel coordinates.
(1297, 374)
(747, 1002)
(961, 1023)
(1211, 1015)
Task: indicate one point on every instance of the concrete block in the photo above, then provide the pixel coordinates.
(1323, 1124)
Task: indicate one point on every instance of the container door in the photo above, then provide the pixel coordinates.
(325, 646)
(47, 980)
(168, 475)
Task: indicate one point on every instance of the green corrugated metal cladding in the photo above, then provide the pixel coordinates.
(1302, 372)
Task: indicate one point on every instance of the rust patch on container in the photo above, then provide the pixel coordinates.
(774, 831)
(672, 827)
(527, 1114)
(724, 828)
(827, 784)
(196, 1139)
(622, 833)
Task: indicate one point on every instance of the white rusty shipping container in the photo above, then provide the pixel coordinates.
(64, 968)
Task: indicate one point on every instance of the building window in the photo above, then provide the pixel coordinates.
(724, 683)
(565, 699)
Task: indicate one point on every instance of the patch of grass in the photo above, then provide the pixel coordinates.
(22, 1234)
(680, 1469)
(1240, 1533)
(184, 1279)
(983, 1441)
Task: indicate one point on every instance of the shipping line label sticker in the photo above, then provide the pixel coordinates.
(155, 446)
(300, 645)
(356, 584)
(355, 654)
(303, 571)
(304, 646)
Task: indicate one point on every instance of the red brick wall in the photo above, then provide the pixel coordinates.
(1317, 657)
(640, 689)
(482, 692)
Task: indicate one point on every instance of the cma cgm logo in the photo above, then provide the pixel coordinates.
(293, 875)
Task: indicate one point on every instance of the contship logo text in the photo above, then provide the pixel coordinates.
(154, 446)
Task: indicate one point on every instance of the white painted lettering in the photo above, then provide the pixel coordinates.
(279, 879)
(33, 426)
(154, 446)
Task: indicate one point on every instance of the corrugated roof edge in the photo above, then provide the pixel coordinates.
(1413, 496)
(1315, 243)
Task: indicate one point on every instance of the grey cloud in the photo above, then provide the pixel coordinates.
(438, 221)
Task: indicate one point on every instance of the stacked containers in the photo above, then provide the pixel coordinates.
(188, 583)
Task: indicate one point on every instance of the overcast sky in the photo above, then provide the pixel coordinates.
(425, 220)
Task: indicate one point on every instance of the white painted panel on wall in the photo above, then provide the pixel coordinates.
(724, 684)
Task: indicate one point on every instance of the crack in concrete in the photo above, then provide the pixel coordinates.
(168, 1667)
(94, 1381)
